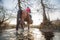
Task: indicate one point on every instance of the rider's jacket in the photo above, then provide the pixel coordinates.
(28, 10)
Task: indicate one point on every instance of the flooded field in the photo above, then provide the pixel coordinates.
(10, 34)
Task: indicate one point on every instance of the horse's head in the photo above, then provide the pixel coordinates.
(31, 21)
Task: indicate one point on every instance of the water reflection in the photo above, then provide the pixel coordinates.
(57, 36)
(37, 34)
(7, 35)
(10, 34)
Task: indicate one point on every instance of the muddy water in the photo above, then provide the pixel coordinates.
(10, 34)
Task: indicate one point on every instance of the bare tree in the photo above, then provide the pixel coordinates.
(4, 16)
(47, 7)
(44, 12)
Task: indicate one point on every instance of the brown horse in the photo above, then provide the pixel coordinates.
(25, 17)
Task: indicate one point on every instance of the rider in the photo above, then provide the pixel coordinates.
(28, 10)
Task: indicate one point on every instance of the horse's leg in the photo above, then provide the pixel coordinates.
(28, 28)
(22, 30)
(22, 27)
(28, 32)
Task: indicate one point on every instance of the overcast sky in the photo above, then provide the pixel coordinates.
(36, 16)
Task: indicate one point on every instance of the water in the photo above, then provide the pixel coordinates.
(10, 34)
(57, 36)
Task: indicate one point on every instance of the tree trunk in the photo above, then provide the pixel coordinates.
(44, 14)
(19, 4)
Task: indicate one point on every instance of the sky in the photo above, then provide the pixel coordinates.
(36, 16)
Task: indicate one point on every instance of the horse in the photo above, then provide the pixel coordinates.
(24, 17)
